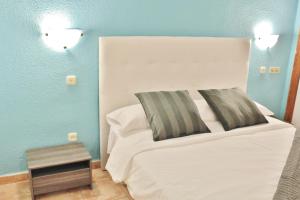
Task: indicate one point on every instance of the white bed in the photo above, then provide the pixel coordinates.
(245, 163)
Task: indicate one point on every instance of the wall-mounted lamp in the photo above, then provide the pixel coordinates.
(61, 39)
(264, 37)
(56, 31)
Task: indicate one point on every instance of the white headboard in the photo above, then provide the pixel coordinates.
(134, 64)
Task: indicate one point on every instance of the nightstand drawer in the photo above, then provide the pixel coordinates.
(61, 181)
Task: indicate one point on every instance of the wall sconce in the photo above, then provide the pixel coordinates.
(62, 39)
(265, 42)
(264, 38)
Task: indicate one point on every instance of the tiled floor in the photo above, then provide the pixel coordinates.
(103, 189)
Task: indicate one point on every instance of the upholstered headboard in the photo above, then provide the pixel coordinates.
(134, 64)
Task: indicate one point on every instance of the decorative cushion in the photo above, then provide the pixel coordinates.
(171, 114)
(233, 108)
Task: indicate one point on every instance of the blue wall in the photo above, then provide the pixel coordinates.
(38, 109)
(297, 21)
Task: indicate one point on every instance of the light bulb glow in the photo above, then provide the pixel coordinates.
(263, 29)
(54, 20)
(264, 37)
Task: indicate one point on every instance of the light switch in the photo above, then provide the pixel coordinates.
(274, 70)
(262, 69)
(71, 80)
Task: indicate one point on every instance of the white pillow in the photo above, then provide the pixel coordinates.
(206, 113)
(264, 110)
(127, 119)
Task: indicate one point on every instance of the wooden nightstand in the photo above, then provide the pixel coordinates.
(58, 168)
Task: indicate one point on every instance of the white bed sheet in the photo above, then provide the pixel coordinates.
(245, 163)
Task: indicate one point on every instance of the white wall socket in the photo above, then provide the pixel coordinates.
(71, 80)
(274, 70)
(72, 137)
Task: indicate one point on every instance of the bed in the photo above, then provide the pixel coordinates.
(245, 163)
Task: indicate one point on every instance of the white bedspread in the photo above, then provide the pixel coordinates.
(241, 164)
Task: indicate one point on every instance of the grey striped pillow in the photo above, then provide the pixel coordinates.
(171, 114)
(233, 108)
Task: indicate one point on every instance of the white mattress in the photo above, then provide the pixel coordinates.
(245, 163)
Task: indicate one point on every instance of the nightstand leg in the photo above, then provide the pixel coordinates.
(30, 185)
(91, 175)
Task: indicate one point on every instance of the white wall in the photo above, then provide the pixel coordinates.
(296, 117)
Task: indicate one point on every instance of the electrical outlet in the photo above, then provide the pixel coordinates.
(71, 80)
(72, 137)
(274, 70)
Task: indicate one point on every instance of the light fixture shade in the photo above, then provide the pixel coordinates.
(266, 41)
(272, 40)
(61, 39)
